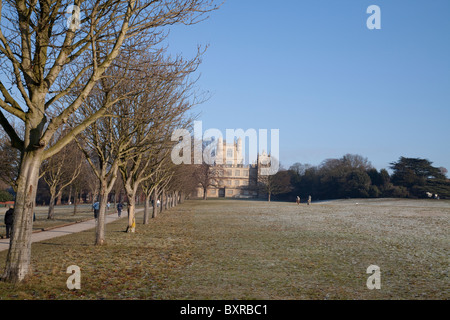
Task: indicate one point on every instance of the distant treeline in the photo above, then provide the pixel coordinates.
(353, 176)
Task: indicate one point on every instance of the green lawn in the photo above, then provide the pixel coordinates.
(220, 249)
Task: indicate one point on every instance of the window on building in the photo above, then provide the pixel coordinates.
(229, 173)
(245, 172)
(229, 153)
(230, 192)
(213, 191)
(236, 183)
(228, 182)
(237, 173)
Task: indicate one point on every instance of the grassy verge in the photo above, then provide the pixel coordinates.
(64, 215)
(129, 266)
(254, 250)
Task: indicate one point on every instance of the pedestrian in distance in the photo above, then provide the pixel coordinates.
(298, 200)
(9, 219)
(309, 200)
(96, 207)
(119, 208)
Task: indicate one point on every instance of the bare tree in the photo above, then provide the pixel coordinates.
(299, 168)
(103, 148)
(82, 183)
(60, 171)
(139, 117)
(160, 171)
(91, 185)
(182, 182)
(275, 184)
(206, 173)
(355, 161)
(44, 60)
(154, 114)
(117, 190)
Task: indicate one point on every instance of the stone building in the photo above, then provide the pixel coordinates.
(233, 178)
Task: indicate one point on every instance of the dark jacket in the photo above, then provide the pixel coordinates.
(9, 216)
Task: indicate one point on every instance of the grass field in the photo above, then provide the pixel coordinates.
(219, 249)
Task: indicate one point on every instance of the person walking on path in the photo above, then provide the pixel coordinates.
(298, 200)
(96, 207)
(72, 228)
(119, 208)
(309, 200)
(9, 219)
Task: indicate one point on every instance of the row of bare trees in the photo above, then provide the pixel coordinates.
(83, 79)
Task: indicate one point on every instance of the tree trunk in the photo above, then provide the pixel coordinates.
(58, 199)
(131, 213)
(51, 205)
(269, 196)
(19, 254)
(166, 201)
(163, 195)
(155, 203)
(181, 197)
(205, 190)
(147, 208)
(101, 221)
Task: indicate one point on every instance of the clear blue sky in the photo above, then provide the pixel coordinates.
(313, 69)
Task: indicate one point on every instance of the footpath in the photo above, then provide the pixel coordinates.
(63, 231)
